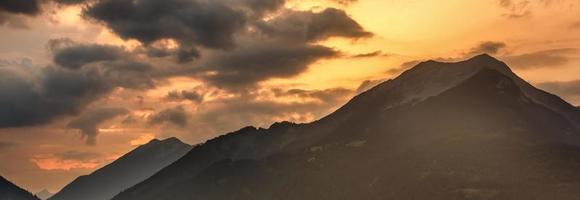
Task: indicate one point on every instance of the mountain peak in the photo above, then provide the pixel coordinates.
(44, 194)
(486, 57)
(171, 140)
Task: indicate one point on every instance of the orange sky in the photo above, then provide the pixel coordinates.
(38, 157)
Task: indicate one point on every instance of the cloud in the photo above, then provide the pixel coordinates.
(72, 2)
(176, 116)
(516, 8)
(539, 59)
(192, 95)
(76, 56)
(565, 89)
(488, 47)
(89, 122)
(26, 7)
(250, 48)
(70, 160)
(254, 63)
(327, 95)
(308, 26)
(37, 96)
(13, 21)
(210, 24)
(368, 55)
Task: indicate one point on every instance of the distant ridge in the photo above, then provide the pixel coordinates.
(44, 194)
(124, 172)
(463, 130)
(10, 191)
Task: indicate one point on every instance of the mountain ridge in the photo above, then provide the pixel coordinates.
(10, 191)
(124, 172)
(444, 110)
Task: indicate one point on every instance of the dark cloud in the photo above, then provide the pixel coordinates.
(116, 66)
(32, 95)
(13, 21)
(89, 122)
(176, 116)
(308, 26)
(368, 55)
(211, 24)
(488, 47)
(251, 48)
(565, 89)
(72, 2)
(192, 95)
(26, 7)
(26, 100)
(539, 59)
(250, 64)
(74, 57)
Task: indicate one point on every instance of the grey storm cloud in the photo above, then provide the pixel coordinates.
(12, 12)
(75, 57)
(32, 95)
(250, 48)
(37, 100)
(89, 122)
(308, 26)
(210, 24)
(71, 2)
(27, 7)
(248, 65)
(177, 116)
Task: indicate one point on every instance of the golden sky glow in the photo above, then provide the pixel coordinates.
(404, 30)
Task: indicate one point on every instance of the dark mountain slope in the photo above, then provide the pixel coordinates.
(124, 172)
(9, 191)
(465, 130)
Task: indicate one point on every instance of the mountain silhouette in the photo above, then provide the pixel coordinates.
(44, 194)
(10, 191)
(124, 172)
(439, 131)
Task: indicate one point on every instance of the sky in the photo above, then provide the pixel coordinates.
(83, 82)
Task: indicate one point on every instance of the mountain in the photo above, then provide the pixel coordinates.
(9, 191)
(124, 172)
(44, 194)
(439, 131)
